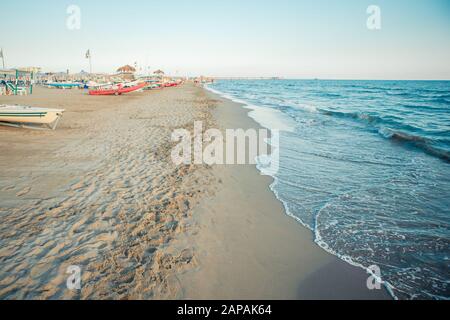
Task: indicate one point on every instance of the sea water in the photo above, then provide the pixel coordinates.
(366, 166)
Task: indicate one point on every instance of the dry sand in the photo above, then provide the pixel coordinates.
(102, 192)
(99, 192)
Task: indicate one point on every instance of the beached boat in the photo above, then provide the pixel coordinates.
(117, 90)
(94, 85)
(172, 83)
(128, 89)
(104, 91)
(64, 85)
(153, 86)
(24, 116)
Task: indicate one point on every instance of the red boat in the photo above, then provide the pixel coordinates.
(106, 92)
(133, 88)
(116, 91)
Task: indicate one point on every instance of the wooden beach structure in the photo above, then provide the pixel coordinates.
(126, 73)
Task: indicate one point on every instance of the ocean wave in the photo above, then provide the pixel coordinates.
(331, 95)
(444, 96)
(403, 94)
(304, 107)
(324, 245)
(441, 100)
(384, 127)
(324, 161)
(423, 107)
(368, 91)
(418, 141)
(352, 115)
(433, 91)
(350, 158)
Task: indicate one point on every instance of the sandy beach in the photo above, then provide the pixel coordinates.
(101, 192)
(201, 154)
(250, 249)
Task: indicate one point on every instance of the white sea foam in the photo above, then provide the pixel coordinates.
(335, 148)
(319, 241)
(269, 118)
(275, 119)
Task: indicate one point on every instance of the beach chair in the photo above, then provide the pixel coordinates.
(22, 91)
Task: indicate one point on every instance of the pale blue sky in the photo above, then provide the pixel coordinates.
(297, 39)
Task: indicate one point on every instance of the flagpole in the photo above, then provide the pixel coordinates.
(90, 62)
(3, 58)
(88, 56)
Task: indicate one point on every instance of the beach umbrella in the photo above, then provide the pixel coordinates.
(159, 71)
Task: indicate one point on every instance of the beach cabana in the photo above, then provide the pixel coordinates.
(126, 73)
(159, 72)
(126, 69)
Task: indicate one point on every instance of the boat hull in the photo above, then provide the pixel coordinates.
(103, 92)
(30, 115)
(118, 91)
(131, 89)
(64, 85)
(35, 117)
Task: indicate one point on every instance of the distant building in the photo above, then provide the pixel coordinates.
(35, 70)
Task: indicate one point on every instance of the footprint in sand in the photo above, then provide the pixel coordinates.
(23, 191)
(78, 186)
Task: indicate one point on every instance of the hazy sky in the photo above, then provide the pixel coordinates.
(297, 39)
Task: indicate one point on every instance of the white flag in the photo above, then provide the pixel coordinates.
(88, 54)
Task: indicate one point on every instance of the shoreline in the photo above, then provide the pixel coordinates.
(286, 263)
(101, 192)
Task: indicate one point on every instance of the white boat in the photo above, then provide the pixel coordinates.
(95, 85)
(22, 116)
(64, 85)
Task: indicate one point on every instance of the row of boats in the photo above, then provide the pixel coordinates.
(96, 89)
(117, 89)
(34, 117)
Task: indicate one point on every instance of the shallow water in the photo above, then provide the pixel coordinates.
(366, 166)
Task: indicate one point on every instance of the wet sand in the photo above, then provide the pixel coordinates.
(101, 192)
(250, 249)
